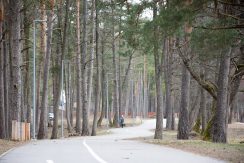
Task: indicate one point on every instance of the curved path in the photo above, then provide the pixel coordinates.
(110, 148)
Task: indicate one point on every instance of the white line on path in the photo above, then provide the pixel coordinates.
(99, 159)
(50, 161)
(6, 152)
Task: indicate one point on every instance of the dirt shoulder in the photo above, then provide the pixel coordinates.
(6, 145)
(232, 152)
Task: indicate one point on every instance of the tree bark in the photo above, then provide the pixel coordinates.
(2, 111)
(168, 83)
(85, 123)
(116, 91)
(73, 93)
(43, 42)
(219, 120)
(91, 59)
(127, 73)
(125, 85)
(55, 94)
(183, 125)
(43, 130)
(145, 90)
(6, 86)
(239, 72)
(38, 87)
(68, 97)
(159, 116)
(98, 81)
(231, 111)
(27, 67)
(241, 115)
(78, 67)
(62, 46)
(14, 15)
(194, 109)
(203, 109)
(103, 88)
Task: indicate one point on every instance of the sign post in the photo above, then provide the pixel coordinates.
(62, 100)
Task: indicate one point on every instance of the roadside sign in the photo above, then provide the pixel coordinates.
(62, 100)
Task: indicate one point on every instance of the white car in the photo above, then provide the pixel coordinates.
(51, 116)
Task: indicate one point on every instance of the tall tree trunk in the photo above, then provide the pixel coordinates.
(241, 115)
(55, 93)
(73, 95)
(27, 67)
(40, 66)
(2, 111)
(116, 93)
(183, 125)
(38, 87)
(63, 50)
(125, 86)
(119, 86)
(168, 81)
(6, 86)
(14, 15)
(194, 110)
(239, 72)
(203, 109)
(78, 65)
(173, 113)
(91, 58)
(9, 81)
(85, 123)
(159, 115)
(119, 67)
(231, 111)
(219, 121)
(145, 90)
(68, 97)
(127, 73)
(104, 85)
(98, 81)
(43, 130)
(110, 109)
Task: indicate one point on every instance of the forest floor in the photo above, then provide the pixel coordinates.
(231, 152)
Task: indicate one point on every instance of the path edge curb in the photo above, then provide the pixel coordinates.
(5, 153)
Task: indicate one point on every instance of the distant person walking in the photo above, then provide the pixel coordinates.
(122, 120)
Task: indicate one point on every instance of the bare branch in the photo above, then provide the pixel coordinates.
(210, 87)
(237, 26)
(228, 15)
(231, 4)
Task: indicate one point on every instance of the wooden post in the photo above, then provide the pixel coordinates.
(22, 129)
(14, 129)
(18, 137)
(27, 131)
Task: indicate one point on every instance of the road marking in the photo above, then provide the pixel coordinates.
(6, 152)
(99, 159)
(50, 161)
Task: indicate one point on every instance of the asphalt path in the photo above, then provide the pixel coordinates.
(111, 148)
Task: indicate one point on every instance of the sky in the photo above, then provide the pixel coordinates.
(148, 14)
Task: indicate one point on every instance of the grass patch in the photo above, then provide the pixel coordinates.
(233, 151)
